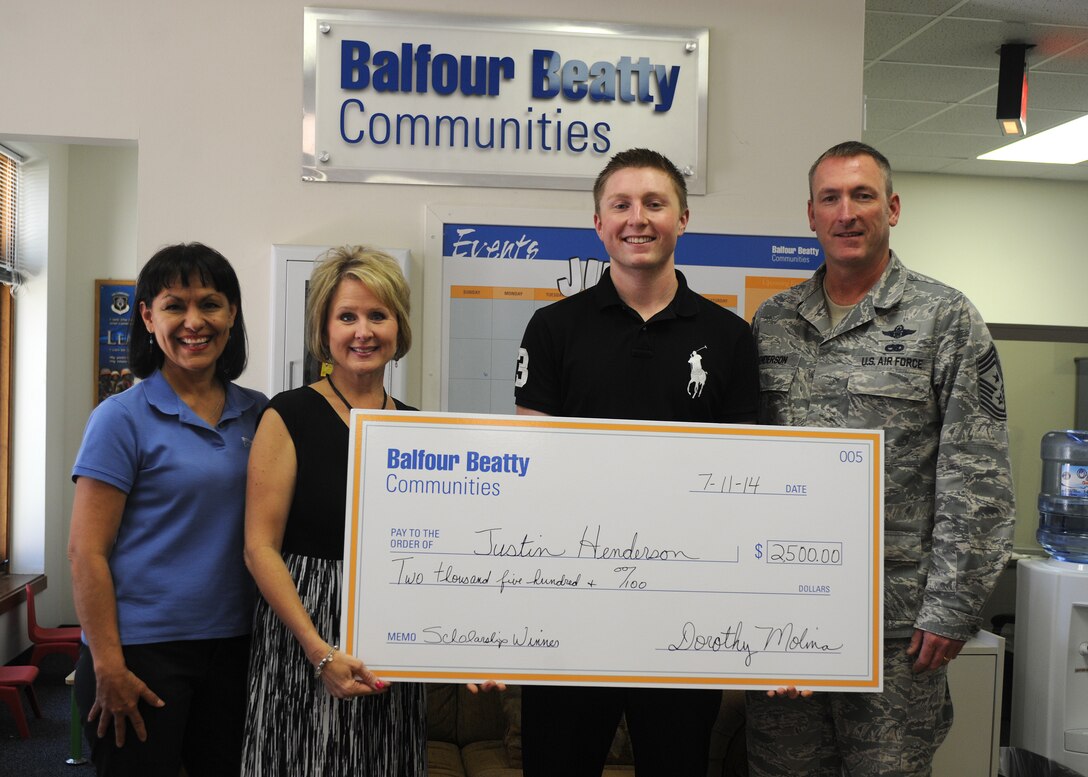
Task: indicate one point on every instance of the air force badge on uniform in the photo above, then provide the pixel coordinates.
(899, 331)
(991, 384)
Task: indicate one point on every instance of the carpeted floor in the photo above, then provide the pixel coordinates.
(44, 754)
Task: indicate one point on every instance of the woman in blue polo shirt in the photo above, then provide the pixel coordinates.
(160, 585)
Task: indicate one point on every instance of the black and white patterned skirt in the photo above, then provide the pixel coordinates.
(295, 728)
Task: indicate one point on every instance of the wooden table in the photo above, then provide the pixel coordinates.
(12, 592)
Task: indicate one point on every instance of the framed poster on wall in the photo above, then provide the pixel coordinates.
(113, 311)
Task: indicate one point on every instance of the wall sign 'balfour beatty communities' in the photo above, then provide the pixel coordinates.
(462, 100)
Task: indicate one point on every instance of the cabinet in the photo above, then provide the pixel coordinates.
(971, 748)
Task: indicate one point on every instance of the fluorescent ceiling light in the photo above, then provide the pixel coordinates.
(1066, 144)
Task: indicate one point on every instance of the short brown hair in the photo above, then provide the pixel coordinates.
(852, 148)
(376, 270)
(641, 157)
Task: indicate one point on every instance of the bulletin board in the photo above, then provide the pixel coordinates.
(498, 268)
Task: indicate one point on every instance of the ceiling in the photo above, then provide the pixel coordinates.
(930, 80)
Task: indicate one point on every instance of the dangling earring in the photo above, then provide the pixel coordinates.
(151, 339)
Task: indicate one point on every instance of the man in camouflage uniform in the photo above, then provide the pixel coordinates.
(867, 343)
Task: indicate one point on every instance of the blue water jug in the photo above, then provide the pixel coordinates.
(1063, 496)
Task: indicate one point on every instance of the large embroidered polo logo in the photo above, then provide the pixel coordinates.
(698, 374)
(991, 384)
(900, 331)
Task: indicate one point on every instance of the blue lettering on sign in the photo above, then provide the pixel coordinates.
(628, 80)
(357, 137)
(415, 69)
(549, 134)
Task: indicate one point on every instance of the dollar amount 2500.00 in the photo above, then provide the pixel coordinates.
(784, 552)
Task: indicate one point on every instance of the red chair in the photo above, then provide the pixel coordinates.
(63, 640)
(11, 679)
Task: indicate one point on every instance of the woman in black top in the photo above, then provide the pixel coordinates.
(314, 710)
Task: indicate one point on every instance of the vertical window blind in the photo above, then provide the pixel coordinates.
(9, 277)
(9, 183)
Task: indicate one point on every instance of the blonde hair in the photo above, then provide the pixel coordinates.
(378, 271)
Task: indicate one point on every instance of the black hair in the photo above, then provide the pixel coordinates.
(177, 265)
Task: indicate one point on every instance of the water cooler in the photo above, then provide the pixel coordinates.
(1050, 670)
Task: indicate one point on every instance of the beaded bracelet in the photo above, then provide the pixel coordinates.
(324, 661)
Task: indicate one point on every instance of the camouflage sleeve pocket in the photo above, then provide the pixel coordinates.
(775, 380)
(774, 395)
(902, 547)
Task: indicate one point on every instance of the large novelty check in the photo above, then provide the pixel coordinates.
(578, 551)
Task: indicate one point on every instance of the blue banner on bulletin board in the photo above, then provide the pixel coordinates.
(114, 301)
(488, 241)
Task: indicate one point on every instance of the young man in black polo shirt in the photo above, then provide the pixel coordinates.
(639, 345)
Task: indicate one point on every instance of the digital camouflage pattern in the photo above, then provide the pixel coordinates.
(914, 358)
(895, 732)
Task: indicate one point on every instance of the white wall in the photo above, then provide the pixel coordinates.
(1016, 247)
(211, 93)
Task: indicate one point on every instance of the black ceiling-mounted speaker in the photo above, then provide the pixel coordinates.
(1012, 89)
